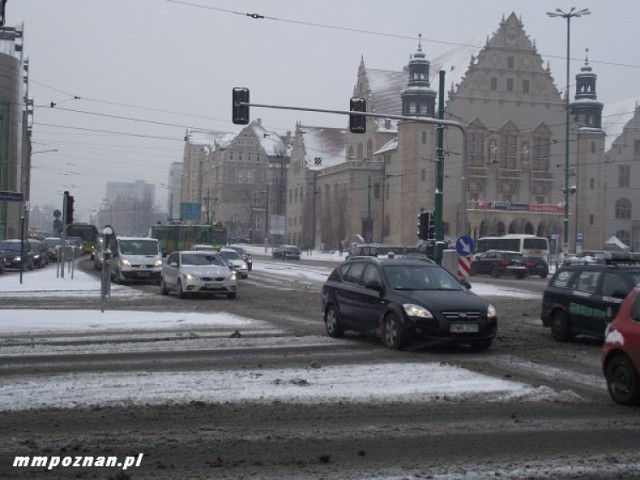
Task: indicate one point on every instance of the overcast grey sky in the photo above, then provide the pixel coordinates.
(136, 62)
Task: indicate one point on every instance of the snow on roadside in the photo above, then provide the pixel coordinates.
(430, 382)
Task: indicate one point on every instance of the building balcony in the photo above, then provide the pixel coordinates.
(540, 175)
(509, 174)
(477, 172)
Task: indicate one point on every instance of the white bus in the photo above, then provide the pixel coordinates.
(528, 245)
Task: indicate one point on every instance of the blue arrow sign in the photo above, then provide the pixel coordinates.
(465, 246)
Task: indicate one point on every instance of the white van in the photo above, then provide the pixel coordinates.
(136, 259)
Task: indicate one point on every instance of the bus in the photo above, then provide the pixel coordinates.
(88, 234)
(183, 237)
(528, 245)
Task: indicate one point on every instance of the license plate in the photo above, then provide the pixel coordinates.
(143, 274)
(212, 285)
(463, 328)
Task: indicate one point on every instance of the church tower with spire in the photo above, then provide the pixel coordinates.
(586, 109)
(587, 171)
(418, 99)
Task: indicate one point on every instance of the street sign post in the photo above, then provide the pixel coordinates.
(6, 196)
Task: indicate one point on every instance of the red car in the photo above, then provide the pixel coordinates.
(621, 352)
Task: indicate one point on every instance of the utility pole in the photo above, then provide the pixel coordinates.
(439, 193)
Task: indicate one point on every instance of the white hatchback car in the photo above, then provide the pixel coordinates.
(236, 262)
(203, 273)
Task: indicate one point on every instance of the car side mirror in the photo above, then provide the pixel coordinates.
(619, 294)
(374, 285)
(465, 284)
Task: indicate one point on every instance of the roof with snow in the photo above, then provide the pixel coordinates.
(206, 137)
(615, 116)
(324, 146)
(270, 142)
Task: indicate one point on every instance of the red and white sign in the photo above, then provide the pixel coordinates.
(464, 266)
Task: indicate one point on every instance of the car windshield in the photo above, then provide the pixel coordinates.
(51, 242)
(10, 246)
(195, 259)
(419, 277)
(138, 247)
(230, 255)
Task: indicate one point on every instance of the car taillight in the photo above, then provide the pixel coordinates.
(505, 262)
(529, 264)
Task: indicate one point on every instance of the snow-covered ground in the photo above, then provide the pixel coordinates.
(384, 382)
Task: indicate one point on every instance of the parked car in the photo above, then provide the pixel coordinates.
(286, 252)
(198, 272)
(52, 244)
(582, 299)
(246, 256)
(11, 250)
(621, 352)
(536, 266)
(498, 263)
(406, 300)
(40, 254)
(235, 261)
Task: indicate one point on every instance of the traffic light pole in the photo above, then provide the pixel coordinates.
(432, 121)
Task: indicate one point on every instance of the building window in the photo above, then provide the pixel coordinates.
(624, 171)
(592, 183)
(593, 147)
(509, 84)
(510, 62)
(636, 148)
(475, 149)
(424, 137)
(623, 209)
(376, 191)
(423, 175)
(591, 219)
(494, 83)
(250, 176)
(525, 86)
(239, 177)
(508, 151)
(540, 153)
(369, 150)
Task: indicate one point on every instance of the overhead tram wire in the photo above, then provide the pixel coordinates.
(257, 16)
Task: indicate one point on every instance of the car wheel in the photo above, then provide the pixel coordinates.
(392, 332)
(543, 275)
(181, 292)
(560, 326)
(231, 295)
(520, 276)
(495, 273)
(623, 382)
(332, 322)
(163, 288)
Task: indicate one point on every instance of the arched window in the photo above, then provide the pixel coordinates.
(360, 152)
(623, 209)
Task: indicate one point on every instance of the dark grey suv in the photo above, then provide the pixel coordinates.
(405, 300)
(584, 299)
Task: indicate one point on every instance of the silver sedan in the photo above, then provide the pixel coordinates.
(203, 273)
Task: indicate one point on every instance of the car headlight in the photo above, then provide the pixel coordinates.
(17, 259)
(190, 277)
(157, 263)
(491, 311)
(244, 265)
(232, 275)
(125, 263)
(416, 311)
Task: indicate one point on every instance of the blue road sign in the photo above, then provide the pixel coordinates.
(10, 196)
(465, 246)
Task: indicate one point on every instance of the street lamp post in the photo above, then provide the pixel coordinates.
(568, 16)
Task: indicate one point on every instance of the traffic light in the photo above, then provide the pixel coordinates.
(358, 123)
(240, 112)
(431, 231)
(68, 205)
(424, 219)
